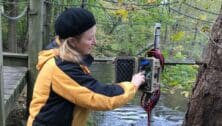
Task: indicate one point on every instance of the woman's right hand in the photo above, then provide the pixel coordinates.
(138, 79)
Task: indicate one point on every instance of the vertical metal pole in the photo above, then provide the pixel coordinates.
(157, 36)
(2, 110)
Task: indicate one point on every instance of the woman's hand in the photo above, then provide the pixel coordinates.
(138, 79)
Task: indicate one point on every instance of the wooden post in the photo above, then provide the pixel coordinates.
(2, 111)
(35, 30)
(12, 35)
(84, 2)
(46, 24)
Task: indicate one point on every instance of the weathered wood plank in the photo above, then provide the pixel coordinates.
(15, 79)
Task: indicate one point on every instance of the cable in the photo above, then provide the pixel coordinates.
(189, 15)
(57, 4)
(91, 5)
(128, 9)
(122, 23)
(17, 17)
(189, 5)
(7, 2)
(150, 6)
(142, 4)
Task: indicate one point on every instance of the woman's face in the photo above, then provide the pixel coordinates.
(85, 44)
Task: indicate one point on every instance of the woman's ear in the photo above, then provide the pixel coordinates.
(72, 42)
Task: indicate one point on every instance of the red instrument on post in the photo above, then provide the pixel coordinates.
(152, 63)
(150, 99)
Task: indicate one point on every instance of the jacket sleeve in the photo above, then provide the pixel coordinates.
(85, 91)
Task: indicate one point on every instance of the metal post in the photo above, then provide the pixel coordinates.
(157, 36)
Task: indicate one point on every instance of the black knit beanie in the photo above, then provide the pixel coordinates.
(73, 22)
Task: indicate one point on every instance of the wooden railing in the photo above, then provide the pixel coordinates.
(15, 59)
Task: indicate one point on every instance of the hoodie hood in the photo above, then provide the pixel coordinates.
(44, 56)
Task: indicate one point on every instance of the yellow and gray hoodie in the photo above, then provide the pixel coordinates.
(65, 92)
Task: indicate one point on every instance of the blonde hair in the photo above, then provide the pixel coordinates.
(68, 53)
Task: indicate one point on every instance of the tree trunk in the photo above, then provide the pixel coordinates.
(205, 105)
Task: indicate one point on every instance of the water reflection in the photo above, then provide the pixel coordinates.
(124, 116)
(164, 114)
(104, 72)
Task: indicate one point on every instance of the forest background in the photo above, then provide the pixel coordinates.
(125, 27)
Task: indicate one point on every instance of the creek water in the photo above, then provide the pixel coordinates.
(169, 110)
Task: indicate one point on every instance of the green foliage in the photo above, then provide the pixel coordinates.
(125, 27)
(177, 36)
(180, 76)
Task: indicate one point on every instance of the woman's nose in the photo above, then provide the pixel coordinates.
(94, 41)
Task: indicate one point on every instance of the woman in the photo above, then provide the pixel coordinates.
(64, 91)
